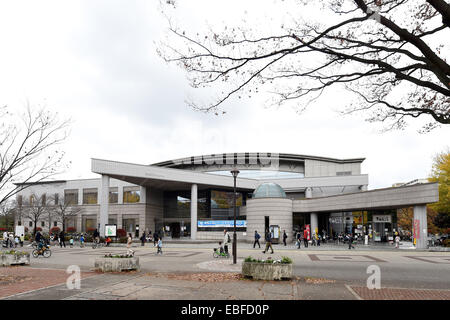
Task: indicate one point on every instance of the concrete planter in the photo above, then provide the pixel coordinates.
(14, 259)
(267, 271)
(117, 264)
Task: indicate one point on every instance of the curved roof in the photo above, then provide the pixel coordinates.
(247, 158)
(269, 190)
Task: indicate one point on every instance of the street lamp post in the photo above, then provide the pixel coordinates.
(235, 173)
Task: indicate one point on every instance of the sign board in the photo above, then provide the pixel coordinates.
(20, 230)
(381, 218)
(110, 230)
(221, 223)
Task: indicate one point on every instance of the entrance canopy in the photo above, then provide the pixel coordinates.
(388, 198)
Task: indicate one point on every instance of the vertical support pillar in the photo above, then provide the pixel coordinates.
(104, 204)
(79, 222)
(194, 212)
(314, 224)
(420, 226)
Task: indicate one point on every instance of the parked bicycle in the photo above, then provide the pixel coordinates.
(220, 253)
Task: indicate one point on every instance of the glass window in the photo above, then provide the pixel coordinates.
(19, 201)
(56, 198)
(44, 199)
(55, 223)
(262, 174)
(71, 197)
(113, 195)
(30, 223)
(131, 194)
(42, 224)
(222, 205)
(90, 196)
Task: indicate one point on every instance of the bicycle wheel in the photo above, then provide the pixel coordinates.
(215, 255)
(47, 253)
(35, 253)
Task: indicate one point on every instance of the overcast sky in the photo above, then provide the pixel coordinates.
(96, 63)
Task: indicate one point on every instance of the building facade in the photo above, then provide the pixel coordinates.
(193, 197)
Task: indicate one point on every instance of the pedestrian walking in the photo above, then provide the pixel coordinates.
(305, 238)
(71, 242)
(62, 241)
(350, 241)
(129, 243)
(268, 241)
(226, 240)
(16, 241)
(319, 238)
(22, 239)
(397, 241)
(159, 247)
(12, 242)
(82, 241)
(155, 238)
(285, 236)
(143, 239)
(298, 236)
(257, 237)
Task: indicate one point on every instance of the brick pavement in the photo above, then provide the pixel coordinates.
(400, 294)
(19, 279)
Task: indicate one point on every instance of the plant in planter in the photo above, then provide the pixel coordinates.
(12, 257)
(268, 269)
(117, 263)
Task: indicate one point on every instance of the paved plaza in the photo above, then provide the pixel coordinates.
(189, 271)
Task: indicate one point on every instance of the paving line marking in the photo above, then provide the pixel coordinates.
(353, 292)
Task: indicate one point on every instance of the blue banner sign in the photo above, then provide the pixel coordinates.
(221, 223)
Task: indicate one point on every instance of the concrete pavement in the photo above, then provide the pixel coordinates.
(189, 271)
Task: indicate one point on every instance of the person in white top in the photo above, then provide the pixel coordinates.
(226, 240)
(129, 242)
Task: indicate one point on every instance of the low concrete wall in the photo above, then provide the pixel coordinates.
(267, 271)
(13, 259)
(117, 264)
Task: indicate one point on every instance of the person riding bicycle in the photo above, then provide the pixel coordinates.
(96, 236)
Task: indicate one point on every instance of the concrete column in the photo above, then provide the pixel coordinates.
(79, 222)
(421, 226)
(104, 204)
(143, 196)
(80, 196)
(120, 194)
(194, 212)
(314, 223)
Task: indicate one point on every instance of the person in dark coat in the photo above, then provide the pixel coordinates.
(284, 237)
(61, 239)
(143, 238)
(155, 238)
(350, 241)
(257, 237)
(38, 237)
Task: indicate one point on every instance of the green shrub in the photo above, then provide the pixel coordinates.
(446, 243)
(286, 260)
(27, 237)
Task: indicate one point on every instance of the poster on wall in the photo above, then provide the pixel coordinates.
(221, 223)
(110, 230)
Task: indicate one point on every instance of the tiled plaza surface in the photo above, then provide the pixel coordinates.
(191, 272)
